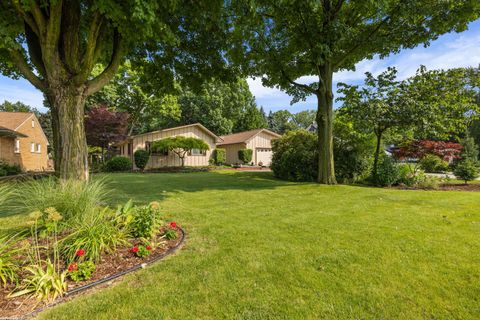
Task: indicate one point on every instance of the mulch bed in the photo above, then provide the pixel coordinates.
(460, 187)
(110, 265)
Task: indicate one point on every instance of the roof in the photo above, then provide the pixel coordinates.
(5, 132)
(245, 136)
(13, 120)
(217, 138)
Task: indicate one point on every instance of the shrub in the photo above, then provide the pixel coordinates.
(295, 156)
(433, 163)
(406, 174)
(118, 164)
(387, 172)
(90, 239)
(219, 156)
(81, 271)
(146, 221)
(9, 169)
(245, 155)
(44, 283)
(73, 199)
(466, 170)
(426, 182)
(352, 152)
(141, 158)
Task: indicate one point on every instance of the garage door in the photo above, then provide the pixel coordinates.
(264, 156)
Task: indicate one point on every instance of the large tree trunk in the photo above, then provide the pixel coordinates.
(71, 153)
(326, 170)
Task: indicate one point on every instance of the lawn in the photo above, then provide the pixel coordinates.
(260, 248)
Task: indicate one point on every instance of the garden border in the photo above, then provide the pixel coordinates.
(86, 287)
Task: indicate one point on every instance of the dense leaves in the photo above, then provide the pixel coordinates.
(104, 126)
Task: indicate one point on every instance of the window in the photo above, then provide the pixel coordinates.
(198, 152)
(33, 123)
(148, 147)
(129, 149)
(32, 147)
(39, 148)
(17, 146)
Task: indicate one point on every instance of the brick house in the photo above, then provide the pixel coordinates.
(22, 141)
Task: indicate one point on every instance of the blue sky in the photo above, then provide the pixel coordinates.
(449, 51)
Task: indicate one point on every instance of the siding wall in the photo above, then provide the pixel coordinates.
(172, 160)
(7, 146)
(231, 152)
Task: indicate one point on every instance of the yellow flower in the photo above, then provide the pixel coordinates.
(154, 205)
(53, 214)
(35, 215)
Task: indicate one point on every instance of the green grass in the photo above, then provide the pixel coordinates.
(259, 248)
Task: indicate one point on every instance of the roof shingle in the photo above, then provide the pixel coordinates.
(244, 136)
(12, 120)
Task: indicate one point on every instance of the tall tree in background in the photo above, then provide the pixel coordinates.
(281, 41)
(55, 45)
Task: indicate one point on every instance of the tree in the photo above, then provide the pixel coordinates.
(252, 118)
(55, 44)
(280, 121)
(141, 158)
(18, 106)
(470, 149)
(466, 170)
(281, 41)
(418, 149)
(180, 145)
(104, 127)
(377, 107)
(303, 119)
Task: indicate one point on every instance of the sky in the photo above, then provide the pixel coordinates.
(448, 51)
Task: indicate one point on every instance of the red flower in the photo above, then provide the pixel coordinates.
(80, 252)
(72, 267)
(134, 249)
(173, 225)
(149, 248)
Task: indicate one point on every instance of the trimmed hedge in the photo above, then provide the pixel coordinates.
(118, 163)
(245, 155)
(219, 156)
(141, 157)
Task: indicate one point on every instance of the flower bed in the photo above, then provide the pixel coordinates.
(56, 261)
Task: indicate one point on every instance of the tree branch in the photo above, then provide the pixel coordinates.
(52, 35)
(101, 80)
(90, 55)
(21, 63)
(27, 18)
(300, 85)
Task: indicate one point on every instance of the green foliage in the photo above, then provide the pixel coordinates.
(433, 163)
(44, 283)
(470, 149)
(294, 156)
(219, 156)
(466, 170)
(5, 193)
(9, 169)
(146, 221)
(352, 150)
(97, 235)
(141, 158)
(245, 155)
(118, 164)
(387, 173)
(81, 271)
(143, 251)
(9, 264)
(170, 234)
(75, 200)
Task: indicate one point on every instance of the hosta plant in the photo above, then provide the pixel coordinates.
(44, 282)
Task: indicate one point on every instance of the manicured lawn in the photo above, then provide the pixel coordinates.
(259, 248)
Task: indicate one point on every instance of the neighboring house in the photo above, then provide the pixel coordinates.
(259, 140)
(312, 128)
(22, 141)
(169, 159)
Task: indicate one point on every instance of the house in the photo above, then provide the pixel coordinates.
(169, 159)
(22, 141)
(259, 140)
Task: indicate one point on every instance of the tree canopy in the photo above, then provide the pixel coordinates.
(283, 41)
(179, 145)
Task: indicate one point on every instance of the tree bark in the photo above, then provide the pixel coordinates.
(377, 153)
(71, 153)
(326, 169)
